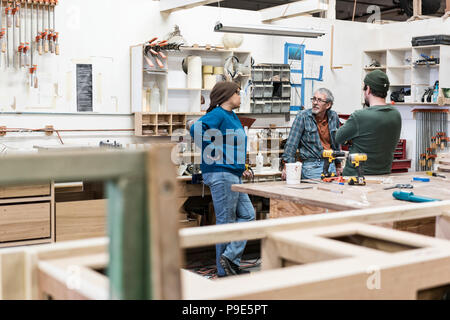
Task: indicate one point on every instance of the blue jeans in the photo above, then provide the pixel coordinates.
(229, 207)
(312, 169)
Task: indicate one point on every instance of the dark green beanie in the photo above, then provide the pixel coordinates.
(378, 81)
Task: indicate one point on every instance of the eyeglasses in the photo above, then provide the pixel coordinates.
(314, 99)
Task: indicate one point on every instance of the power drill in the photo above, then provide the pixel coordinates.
(330, 156)
(355, 159)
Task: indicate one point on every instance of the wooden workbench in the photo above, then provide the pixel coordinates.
(291, 200)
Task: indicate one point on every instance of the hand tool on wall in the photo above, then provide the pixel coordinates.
(434, 174)
(38, 34)
(356, 159)
(41, 27)
(21, 44)
(409, 196)
(55, 34)
(8, 15)
(423, 161)
(51, 29)
(400, 186)
(20, 54)
(149, 48)
(329, 156)
(2, 33)
(28, 33)
(45, 33)
(33, 77)
(3, 40)
(16, 14)
(14, 45)
(26, 55)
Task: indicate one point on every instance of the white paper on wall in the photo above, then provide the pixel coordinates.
(313, 64)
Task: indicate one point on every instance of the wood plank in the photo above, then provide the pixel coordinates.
(25, 243)
(402, 274)
(63, 282)
(344, 279)
(165, 249)
(208, 235)
(417, 8)
(12, 270)
(443, 227)
(39, 167)
(80, 219)
(292, 9)
(24, 191)
(25, 221)
(169, 6)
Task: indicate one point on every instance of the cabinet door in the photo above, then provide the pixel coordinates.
(24, 221)
(80, 219)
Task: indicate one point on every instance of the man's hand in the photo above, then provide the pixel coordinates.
(283, 173)
(247, 174)
(339, 170)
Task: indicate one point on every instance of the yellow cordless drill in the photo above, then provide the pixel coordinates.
(328, 157)
(356, 159)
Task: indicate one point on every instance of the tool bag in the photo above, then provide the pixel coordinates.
(431, 40)
(399, 96)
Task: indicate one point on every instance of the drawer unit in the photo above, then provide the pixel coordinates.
(28, 221)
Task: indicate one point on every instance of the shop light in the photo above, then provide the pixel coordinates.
(270, 30)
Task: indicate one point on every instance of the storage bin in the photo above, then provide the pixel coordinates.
(268, 91)
(258, 91)
(286, 91)
(257, 74)
(276, 106)
(286, 74)
(267, 74)
(267, 106)
(259, 106)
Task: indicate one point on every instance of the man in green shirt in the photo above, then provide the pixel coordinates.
(375, 130)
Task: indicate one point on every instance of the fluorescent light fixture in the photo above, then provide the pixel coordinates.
(269, 30)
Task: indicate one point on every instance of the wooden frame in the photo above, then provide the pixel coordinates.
(293, 9)
(28, 214)
(169, 6)
(329, 268)
(138, 225)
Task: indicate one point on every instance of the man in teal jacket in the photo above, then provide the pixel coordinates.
(375, 130)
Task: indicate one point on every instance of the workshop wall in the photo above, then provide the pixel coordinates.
(100, 32)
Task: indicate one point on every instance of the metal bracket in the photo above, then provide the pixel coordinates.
(49, 130)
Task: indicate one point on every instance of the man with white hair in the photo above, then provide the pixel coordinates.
(312, 132)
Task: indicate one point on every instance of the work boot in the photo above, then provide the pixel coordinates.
(238, 270)
(227, 266)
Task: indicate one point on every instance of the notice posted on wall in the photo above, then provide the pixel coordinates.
(84, 88)
(295, 57)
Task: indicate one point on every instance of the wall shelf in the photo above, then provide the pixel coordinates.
(175, 96)
(148, 124)
(403, 73)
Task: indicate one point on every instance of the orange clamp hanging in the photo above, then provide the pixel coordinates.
(8, 11)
